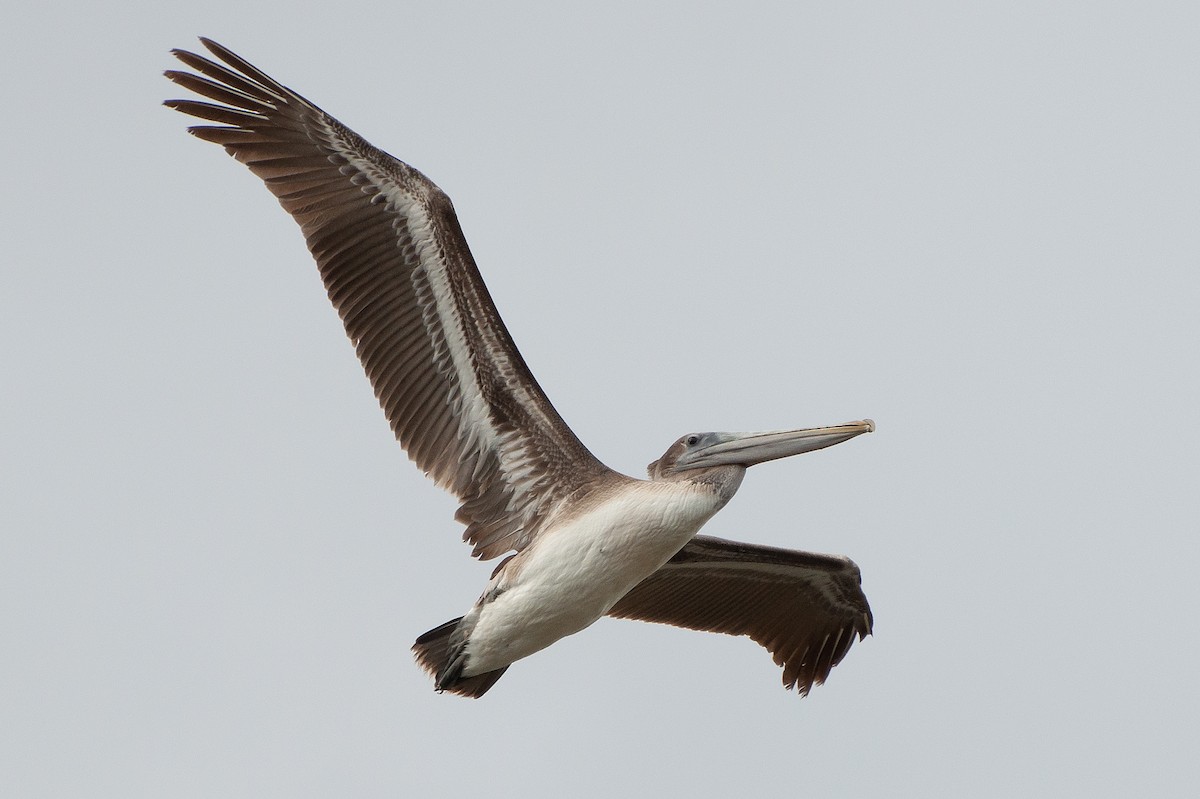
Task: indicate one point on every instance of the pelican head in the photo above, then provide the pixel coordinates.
(697, 451)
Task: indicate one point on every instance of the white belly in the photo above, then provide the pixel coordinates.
(575, 572)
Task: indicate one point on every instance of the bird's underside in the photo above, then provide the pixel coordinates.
(466, 408)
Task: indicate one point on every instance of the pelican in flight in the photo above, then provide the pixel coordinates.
(585, 541)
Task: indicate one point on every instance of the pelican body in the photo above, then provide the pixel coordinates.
(583, 540)
(577, 570)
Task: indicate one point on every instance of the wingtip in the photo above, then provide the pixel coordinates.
(211, 45)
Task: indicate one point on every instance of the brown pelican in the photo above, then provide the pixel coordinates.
(586, 541)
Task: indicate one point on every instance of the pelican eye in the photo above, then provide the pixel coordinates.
(693, 440)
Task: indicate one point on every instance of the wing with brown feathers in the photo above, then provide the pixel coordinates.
(806, 609)
(456, 391)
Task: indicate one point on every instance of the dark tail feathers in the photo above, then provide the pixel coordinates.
(443, 657)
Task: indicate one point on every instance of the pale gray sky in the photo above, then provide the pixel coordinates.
(974, 223)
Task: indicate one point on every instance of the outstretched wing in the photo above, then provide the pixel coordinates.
(806, 609)
(456, 391)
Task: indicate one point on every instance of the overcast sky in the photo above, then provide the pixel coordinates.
(976, 224)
